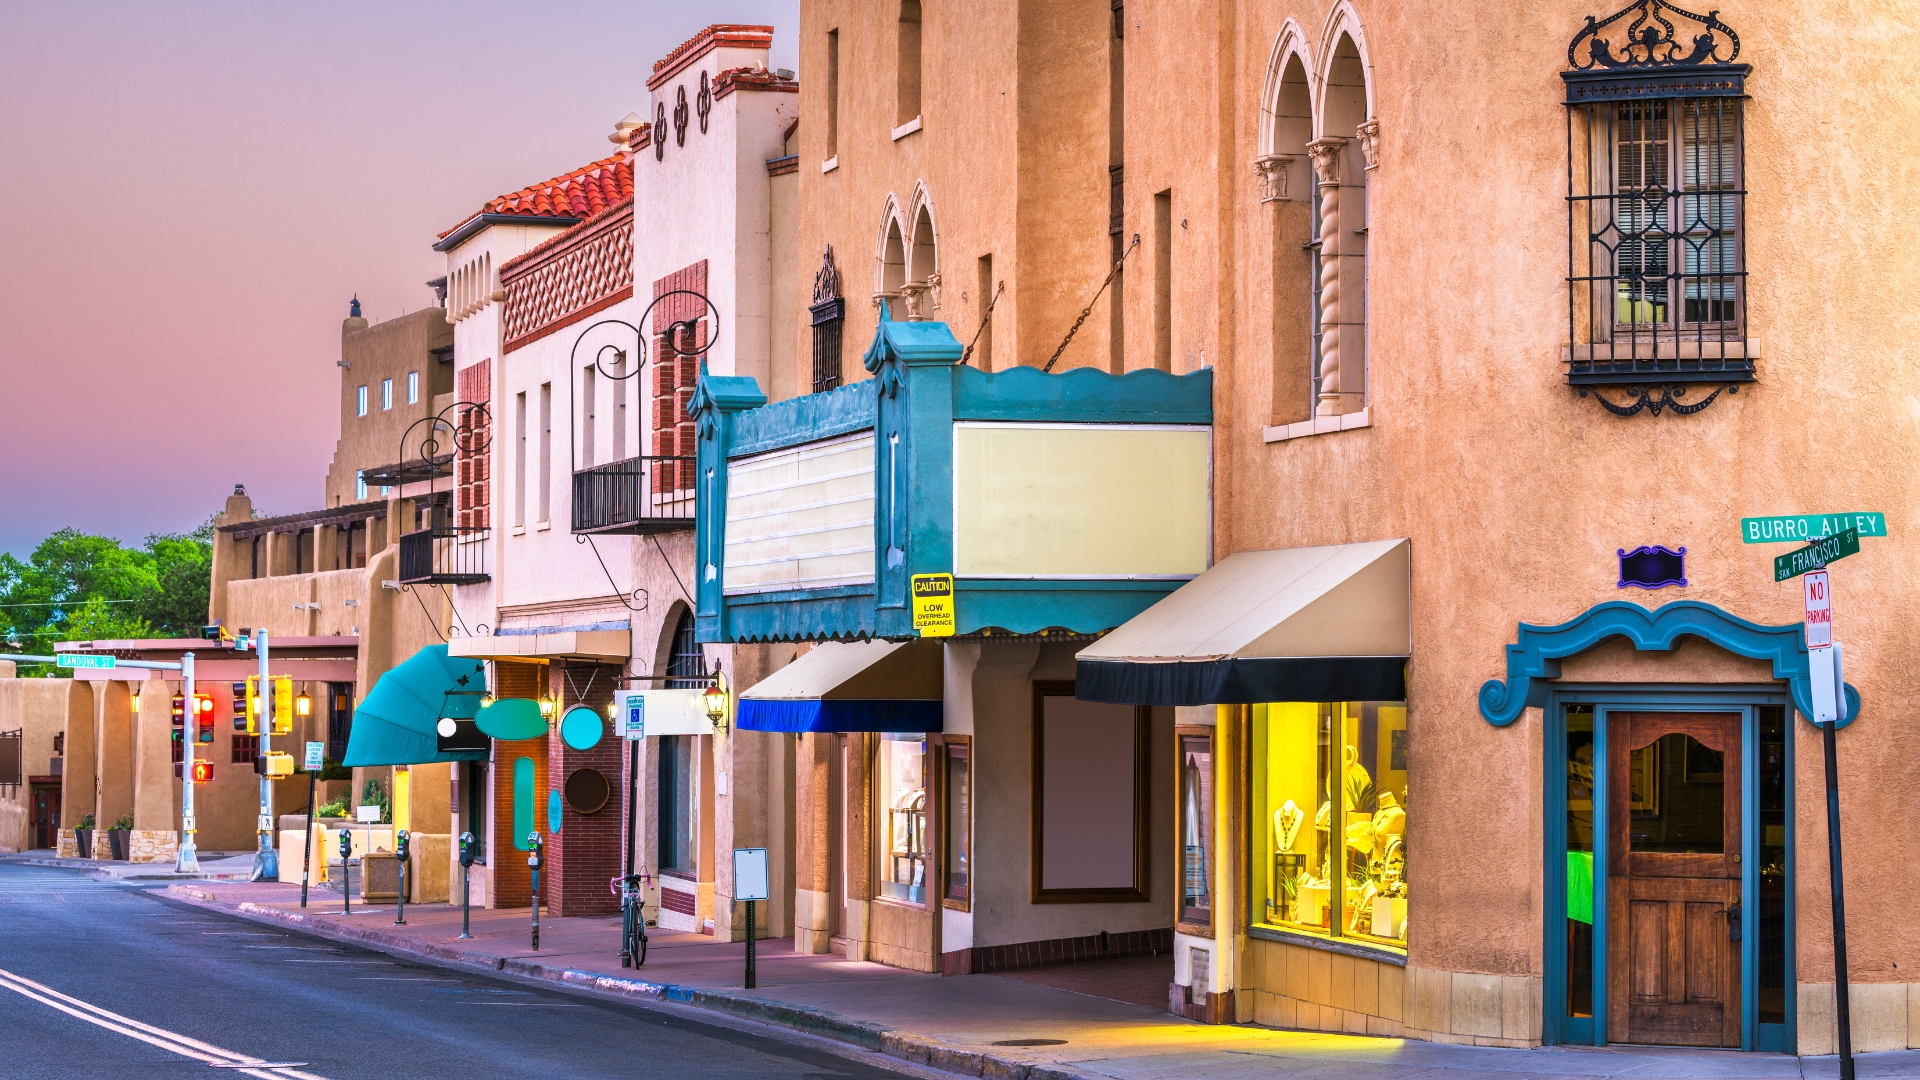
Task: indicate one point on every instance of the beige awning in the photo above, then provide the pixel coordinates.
(1297, 624)
(613, 646)
(851, 686)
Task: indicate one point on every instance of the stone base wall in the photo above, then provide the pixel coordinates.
(1885, 1016)
(150, 846)
(1298, 986)
(69, 845)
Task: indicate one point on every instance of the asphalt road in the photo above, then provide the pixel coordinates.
(102, 979)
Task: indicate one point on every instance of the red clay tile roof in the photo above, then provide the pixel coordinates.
(746, 78)
(730, 35)
(580, 194)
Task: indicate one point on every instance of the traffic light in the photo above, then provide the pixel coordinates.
(179, 710)
(203, 718)
(278, 765)
(283, 705)
(202, 771)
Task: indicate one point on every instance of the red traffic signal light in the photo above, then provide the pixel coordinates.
(203, 717)
(202, 771)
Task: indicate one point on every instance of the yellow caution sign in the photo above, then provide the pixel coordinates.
(933, 605)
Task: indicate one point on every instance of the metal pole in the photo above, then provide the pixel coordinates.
(466, 899)
(187, 859)
(306, 853)
(751, 980)
(1842, 1013)
(266, 861)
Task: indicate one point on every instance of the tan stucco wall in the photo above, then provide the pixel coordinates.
(1515, 492)
(39, 709)
(387, 350)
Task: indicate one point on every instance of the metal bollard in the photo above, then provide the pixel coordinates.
(533, 863)
(400, 853)
(466, 887)
(346, 872)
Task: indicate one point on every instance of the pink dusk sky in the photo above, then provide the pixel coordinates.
(194, 191)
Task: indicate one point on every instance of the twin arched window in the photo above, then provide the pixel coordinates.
(1319, 145)
(908, 264)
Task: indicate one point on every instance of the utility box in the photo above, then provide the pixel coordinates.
(379, 876)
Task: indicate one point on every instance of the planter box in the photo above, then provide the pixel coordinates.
(84, 838)
(117, 843)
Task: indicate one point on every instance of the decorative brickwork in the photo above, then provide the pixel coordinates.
(675, 375)
(982, 959)
(584, 270)
(585, 854)
(472, 499)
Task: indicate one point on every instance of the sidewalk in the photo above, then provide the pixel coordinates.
(1014, 1025)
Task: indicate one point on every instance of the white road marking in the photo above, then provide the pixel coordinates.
(149, 1034)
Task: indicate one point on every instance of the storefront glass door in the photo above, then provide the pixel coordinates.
(1668, 869)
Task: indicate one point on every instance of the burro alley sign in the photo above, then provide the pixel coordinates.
(1816, 555)
(1800, 528)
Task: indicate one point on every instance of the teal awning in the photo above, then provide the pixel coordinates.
(512, 719)
(395, 723)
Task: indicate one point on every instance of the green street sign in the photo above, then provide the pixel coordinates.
(1800, 528)
(1816, 555)
(82, 660)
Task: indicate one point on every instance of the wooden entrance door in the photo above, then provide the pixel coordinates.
(1673, 878)
(46, 816)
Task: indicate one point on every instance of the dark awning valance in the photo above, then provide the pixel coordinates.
(851, 686)
(1299, 624)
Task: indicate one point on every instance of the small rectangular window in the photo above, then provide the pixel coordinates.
(1163, 280)
(833, 93)
(956, 822)
(361, 401)
(907, 105)
(386, 394)
(360, 485)
(413, 387)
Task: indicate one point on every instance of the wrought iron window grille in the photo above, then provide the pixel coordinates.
(1656, 200)
(829, 317)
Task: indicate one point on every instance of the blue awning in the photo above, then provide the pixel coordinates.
(395, 723)
(851, 686)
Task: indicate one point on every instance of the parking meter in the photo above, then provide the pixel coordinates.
(346, 872)
(533, 864)
(467, 853)
(400, 853)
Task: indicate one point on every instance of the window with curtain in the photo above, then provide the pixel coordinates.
(678, 823)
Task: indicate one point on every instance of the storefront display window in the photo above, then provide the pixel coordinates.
(1196, 829)
(957, 819)
(1330, 820)
(902, 786)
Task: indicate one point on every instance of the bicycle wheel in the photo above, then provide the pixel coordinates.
(626, 939)
(639, 949)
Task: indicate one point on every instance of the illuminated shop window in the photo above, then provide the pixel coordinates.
(1196, 829)
(1330, 820)
(903, 817)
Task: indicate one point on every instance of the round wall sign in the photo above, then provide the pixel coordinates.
(587, 790)
(582, 727)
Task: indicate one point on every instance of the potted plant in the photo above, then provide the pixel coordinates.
(83, 836)
(119, 837)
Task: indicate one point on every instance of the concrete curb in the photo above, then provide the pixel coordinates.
(893, 1042)
(160, 871)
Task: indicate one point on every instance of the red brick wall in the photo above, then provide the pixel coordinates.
(474, 386)
(585, 854)
(675, 375)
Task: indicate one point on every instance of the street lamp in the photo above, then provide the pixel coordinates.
(303, 705)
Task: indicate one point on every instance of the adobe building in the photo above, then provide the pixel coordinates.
(1421, 759)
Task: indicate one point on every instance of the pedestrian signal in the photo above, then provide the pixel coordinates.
(202, 771)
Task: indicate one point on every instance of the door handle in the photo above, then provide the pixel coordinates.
(1733, 921)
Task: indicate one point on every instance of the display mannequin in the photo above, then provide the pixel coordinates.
(1286, 825)
(1389, 822)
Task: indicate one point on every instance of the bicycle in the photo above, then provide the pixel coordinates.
(633, 930)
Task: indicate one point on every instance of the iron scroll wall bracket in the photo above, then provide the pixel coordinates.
(1655, 399)
(462, 436)
(671, 332)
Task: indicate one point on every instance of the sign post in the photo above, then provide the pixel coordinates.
(1829, 693)
(750, 885)
(314, 762)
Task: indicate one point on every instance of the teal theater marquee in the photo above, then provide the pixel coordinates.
(1057, 502)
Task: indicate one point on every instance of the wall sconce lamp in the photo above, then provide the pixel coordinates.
(546, 708)
(715, 699)
(486, 700)
(303, 705)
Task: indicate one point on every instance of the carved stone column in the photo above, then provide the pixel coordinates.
(1272, 171)
(914, 296)
(1325, 154)
(1369, 136)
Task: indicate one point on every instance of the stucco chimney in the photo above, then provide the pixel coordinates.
(623, 130)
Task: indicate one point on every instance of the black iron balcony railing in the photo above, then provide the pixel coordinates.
(444, 556)
(637, 495)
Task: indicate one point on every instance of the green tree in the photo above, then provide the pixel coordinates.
(80, 587)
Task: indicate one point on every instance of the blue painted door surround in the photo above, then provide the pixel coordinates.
(1643, 698)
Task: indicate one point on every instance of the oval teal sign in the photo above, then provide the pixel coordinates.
(581, 728)
(553, 811)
